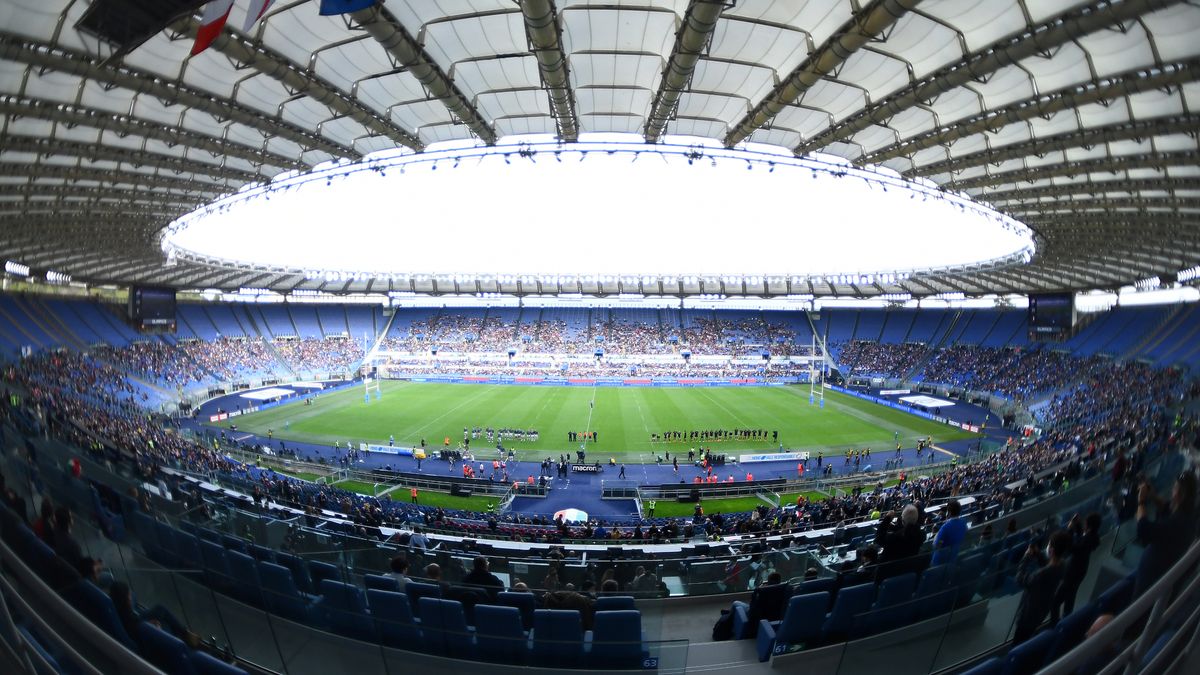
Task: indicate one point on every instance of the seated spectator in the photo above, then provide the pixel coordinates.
(159, 616)
(480, 576)
(399, 565)
(950, 535)
(768, 601)
(43, 527)
(900, 541)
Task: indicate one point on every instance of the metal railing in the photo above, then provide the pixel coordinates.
(1160, 607)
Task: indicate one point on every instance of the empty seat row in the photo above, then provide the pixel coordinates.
(814, 617)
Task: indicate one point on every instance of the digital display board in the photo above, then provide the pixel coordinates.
(150, 306)
(1051, 312)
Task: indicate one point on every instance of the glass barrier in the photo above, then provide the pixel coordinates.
(231, 608)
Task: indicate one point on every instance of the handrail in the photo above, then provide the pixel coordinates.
(1154, 601)
(128, 662)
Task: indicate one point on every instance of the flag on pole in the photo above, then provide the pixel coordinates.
(255, 12)
(330, 7)
(216, 13)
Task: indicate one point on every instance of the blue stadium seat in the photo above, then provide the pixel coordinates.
(143, 528)
(207, 664)
(299, 570)
(966, 578)
(933, 596)
(112, 524)
(992, 666)
(1027, 658)
(615, 640)
(98, 607)
(165, 650)
(1117, 597)
(827, 584)
(262, 553)
(393, 617)
(166, 550)
(767, 602)
(344, 609)
(849, 603)
(320, 571)
(187, 546)
(802, 624)
(525, 602)
(609, 603)
(557, 638)
(498, 634)
(232, 543)
(216, 567)
(280, 593)
(381, 582)
(417, 590)
(1070, 629)
(444, 628)
(243, 572)
(893, 605)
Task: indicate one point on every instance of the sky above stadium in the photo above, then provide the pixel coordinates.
(616, 210)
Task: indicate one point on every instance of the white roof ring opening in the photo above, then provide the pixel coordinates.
(669, 210)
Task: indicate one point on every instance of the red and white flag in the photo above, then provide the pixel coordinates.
(216, 13)
(257, 9)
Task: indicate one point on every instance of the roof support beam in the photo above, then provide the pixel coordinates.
(1141, 129)
(871, 22)
(49, 146)
(1113, 165)
(1043, 105)
(1076, 191)
(386, 29)
(34, 172)
(691, 40)
(45, 55)
(30, 192)
(1164, 205)
(277, 66)
(1042, 38)
(545, 40)
(127, 125)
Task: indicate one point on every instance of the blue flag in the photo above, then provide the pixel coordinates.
(330, 7)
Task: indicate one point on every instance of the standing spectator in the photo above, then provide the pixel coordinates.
(1168, 536)
(1040, 577)
(1084, 540)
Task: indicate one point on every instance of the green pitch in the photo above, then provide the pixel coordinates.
(623, 417)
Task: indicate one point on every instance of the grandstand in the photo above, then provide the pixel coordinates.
(681, 335)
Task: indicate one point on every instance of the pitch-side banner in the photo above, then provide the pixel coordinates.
(774, 457)
(388, 449)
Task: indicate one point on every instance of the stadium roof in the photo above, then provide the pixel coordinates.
(1074, 117)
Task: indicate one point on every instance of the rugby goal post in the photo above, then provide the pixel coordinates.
(371, 377)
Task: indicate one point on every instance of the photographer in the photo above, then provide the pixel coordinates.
(1168, 535)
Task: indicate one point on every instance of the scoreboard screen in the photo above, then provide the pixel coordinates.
(1051, 312)
(152, 307)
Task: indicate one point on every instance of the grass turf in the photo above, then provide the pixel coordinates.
(424, 497)
(623, 417)
(666, 509)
